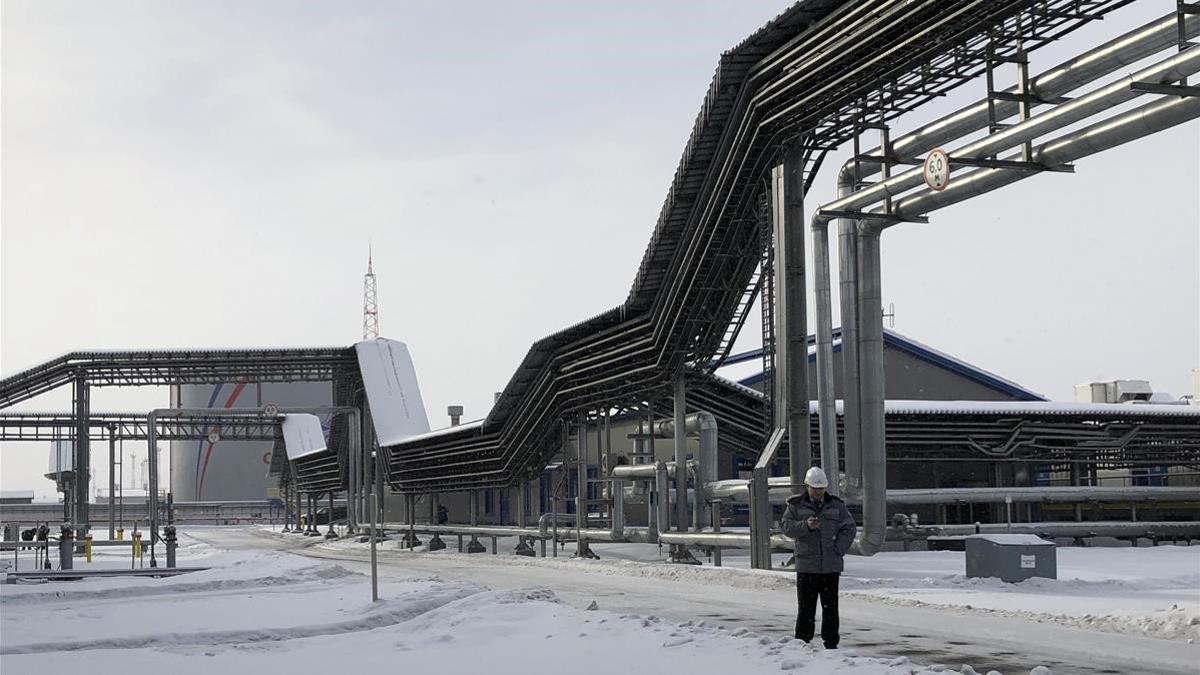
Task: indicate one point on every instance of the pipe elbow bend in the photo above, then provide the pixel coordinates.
(866, 544)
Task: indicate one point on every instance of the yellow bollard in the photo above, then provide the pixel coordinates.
(137, 545)
(87, 547)
(120, 534)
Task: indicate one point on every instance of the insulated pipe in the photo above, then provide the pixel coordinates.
(581, 458)
(702, 423)
(778, 542)
(1170, 70)
(871, 536)
(617, 490)
(848, 271)
(1114, 528)
(738, 491)
(548, 520)
(1117, 53)
(663, 495)
(112, 482)
(681, 504)
(648, 471)
(826, 395)
(352, 462)
(794, 306)
(1117, 130)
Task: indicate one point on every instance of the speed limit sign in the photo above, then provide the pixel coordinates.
(937, 170)
(271, 410)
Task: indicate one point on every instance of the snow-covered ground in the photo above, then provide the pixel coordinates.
(307, 608)
(256, 612)
(1148, 591)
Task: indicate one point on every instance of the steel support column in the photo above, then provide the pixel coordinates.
(112, 481)
(794, 367)
(81, 460)
(681, 502)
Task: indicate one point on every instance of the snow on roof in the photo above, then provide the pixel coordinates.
(303, 436)
(1034, 408)
(1012, 539)
(473, 425)
(390, 380)
(16, 494)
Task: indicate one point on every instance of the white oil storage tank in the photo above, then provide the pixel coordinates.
(234, 470)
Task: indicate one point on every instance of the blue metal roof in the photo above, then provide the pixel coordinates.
(915, 349)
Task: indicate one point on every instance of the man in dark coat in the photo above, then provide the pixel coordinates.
(823, 529)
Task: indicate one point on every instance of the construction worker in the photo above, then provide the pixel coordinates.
(823, 529)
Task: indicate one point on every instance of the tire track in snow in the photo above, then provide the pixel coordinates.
(387, 613)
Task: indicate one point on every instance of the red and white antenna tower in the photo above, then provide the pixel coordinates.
(370, 302)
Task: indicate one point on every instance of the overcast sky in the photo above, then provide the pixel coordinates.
(209, 174)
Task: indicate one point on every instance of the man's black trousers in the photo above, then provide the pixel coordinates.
(808, 588)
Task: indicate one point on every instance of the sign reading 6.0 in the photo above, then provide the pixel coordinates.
(937, 170)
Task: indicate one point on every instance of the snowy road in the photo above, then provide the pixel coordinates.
(949, 635)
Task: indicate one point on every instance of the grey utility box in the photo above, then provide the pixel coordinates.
(1011, 557)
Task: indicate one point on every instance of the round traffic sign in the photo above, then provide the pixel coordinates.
(213, 437)
(271, 410)
(937, 170)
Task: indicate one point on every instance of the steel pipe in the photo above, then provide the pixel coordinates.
(1169, 70)
(1165, 529)
(1105, 135)
(826, 395)
(1049, 86)
(738, 491)
(680, 453)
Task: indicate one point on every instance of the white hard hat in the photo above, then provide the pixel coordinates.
(816, 478)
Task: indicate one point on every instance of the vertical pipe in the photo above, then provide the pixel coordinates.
(795, 370)
(662, 489)
(617, 489)
(82, 462)
(521, 489)
(379, 484)
(352, 480)
(707, 426)
(374, 561)
(681, 504)
(112, 481)
(330, 533)
(779, 283)
(581, 460)
(152, 459)
(848, 273)
(826, 397)
(299, 508)
(760, 520)
(874, 447)
(716, 528)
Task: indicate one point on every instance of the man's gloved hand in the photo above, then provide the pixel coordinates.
(813, 523)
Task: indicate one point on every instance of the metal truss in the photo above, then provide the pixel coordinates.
(50, 426)
(167, 367)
